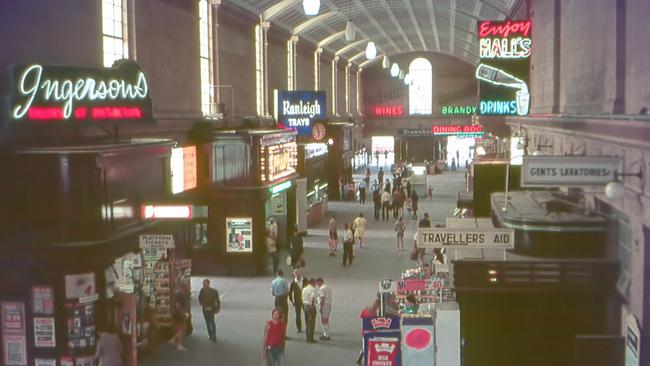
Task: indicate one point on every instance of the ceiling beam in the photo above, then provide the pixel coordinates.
(377, 25)
(489, 5)
(399, 27)
(351, 59)
(278, 8)
(434, 24)
(472, 27)
(452, 25)
(349, 47)
(407, 3)
(368, 62)
(331, 38)
(311, 22)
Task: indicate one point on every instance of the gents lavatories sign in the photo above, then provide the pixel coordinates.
(298, 109)
(564, 171)
(504, 52)
(41, 93)
(488, 238)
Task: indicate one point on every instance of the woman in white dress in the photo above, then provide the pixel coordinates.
(359, 226)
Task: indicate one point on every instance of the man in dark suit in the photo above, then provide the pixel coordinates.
(295, 296)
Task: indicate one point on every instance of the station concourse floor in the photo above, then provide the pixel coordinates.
(247, 302)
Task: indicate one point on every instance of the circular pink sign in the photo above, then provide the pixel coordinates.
(418, 338)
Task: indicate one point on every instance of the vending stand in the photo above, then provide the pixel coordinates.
(382, 341)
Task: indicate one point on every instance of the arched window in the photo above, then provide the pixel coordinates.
(421, 88)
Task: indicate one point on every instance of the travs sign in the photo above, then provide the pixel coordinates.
(504, 51)
(298, 109)
(44, 93)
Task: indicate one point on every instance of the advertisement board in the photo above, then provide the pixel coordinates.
(40, 93)
(484, 238)
(503, 72)
(239, 234)
(298, 109)
(183, 168)
(44, 334)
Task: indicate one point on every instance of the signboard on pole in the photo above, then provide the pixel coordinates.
(462, 238)
(564, 171)
(156, 241)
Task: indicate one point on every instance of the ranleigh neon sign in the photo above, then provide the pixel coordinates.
(66, 93)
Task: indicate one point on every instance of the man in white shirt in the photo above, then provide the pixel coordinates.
(309, 296)
(386, 197)
(325, 306)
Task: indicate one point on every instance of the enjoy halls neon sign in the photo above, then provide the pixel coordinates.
(42, 93)
(509, 39)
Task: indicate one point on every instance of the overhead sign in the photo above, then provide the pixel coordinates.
(44, 93)
(451, 110)
(454, 130)
(564, 171)
(156, 241)
(414, 132)
(298, 109)
(280, 187)
(504, 52)
(481, 238)
(280, 161)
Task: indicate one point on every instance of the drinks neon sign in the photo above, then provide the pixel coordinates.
(504, 50)
(42, 93)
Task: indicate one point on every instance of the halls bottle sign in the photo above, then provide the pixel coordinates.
(297, 110)
(44, 93)
(504, 52)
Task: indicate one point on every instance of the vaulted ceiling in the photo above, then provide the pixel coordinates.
(396, 26)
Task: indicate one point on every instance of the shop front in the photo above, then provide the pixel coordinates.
(340, 155)
(253, 178)
(312, 166)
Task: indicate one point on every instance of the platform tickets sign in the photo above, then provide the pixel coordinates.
(482, 238)
(564, 171)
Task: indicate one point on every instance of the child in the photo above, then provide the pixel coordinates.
(430, 194)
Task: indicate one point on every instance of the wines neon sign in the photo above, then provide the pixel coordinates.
(42, 93)
(388, 110)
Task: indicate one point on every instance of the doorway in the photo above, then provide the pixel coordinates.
(383, 151)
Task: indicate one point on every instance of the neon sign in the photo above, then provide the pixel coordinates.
(282, 160)
(387, 110)
(455, 130)
(504, 50)
(458, 109)
(51, 93)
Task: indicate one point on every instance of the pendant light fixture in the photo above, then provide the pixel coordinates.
(371, 51)
(350, 31)
(385, 63)
(401, 75)
(394, 70)
(311, 7)
(407, 79)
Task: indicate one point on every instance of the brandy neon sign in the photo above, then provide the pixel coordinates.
(45, 93)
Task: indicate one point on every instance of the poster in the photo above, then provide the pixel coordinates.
(44, 362)
(14, 347)
(44, 334)
(239, 234)
(80, 286)
(383, 351)
(42, 300)
(13, 317)
(67, 361)
(85, 361)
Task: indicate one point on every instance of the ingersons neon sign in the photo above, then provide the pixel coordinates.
(66, 93)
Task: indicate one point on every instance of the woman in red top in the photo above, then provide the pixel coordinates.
(369, 311)
(273, 345)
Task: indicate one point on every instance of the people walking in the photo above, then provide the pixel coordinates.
(362, 192)
(297, 249)
(380, 177)
(309, 297)
(274, 336)
(430, 194)
(295, 296)
(181, 315)
(109, 350)
(211, 304)
(359, 226)
(333, 235)
(366, 178)
(397, 202)
(272, 243)
(348, 245)
(325, 307)
(419, 252)
(376, 200)
(400, 228)
(385, 204)
(414, 203)
(280, 291)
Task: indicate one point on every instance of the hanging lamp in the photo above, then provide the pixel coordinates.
(311, 7)
(371, 51)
